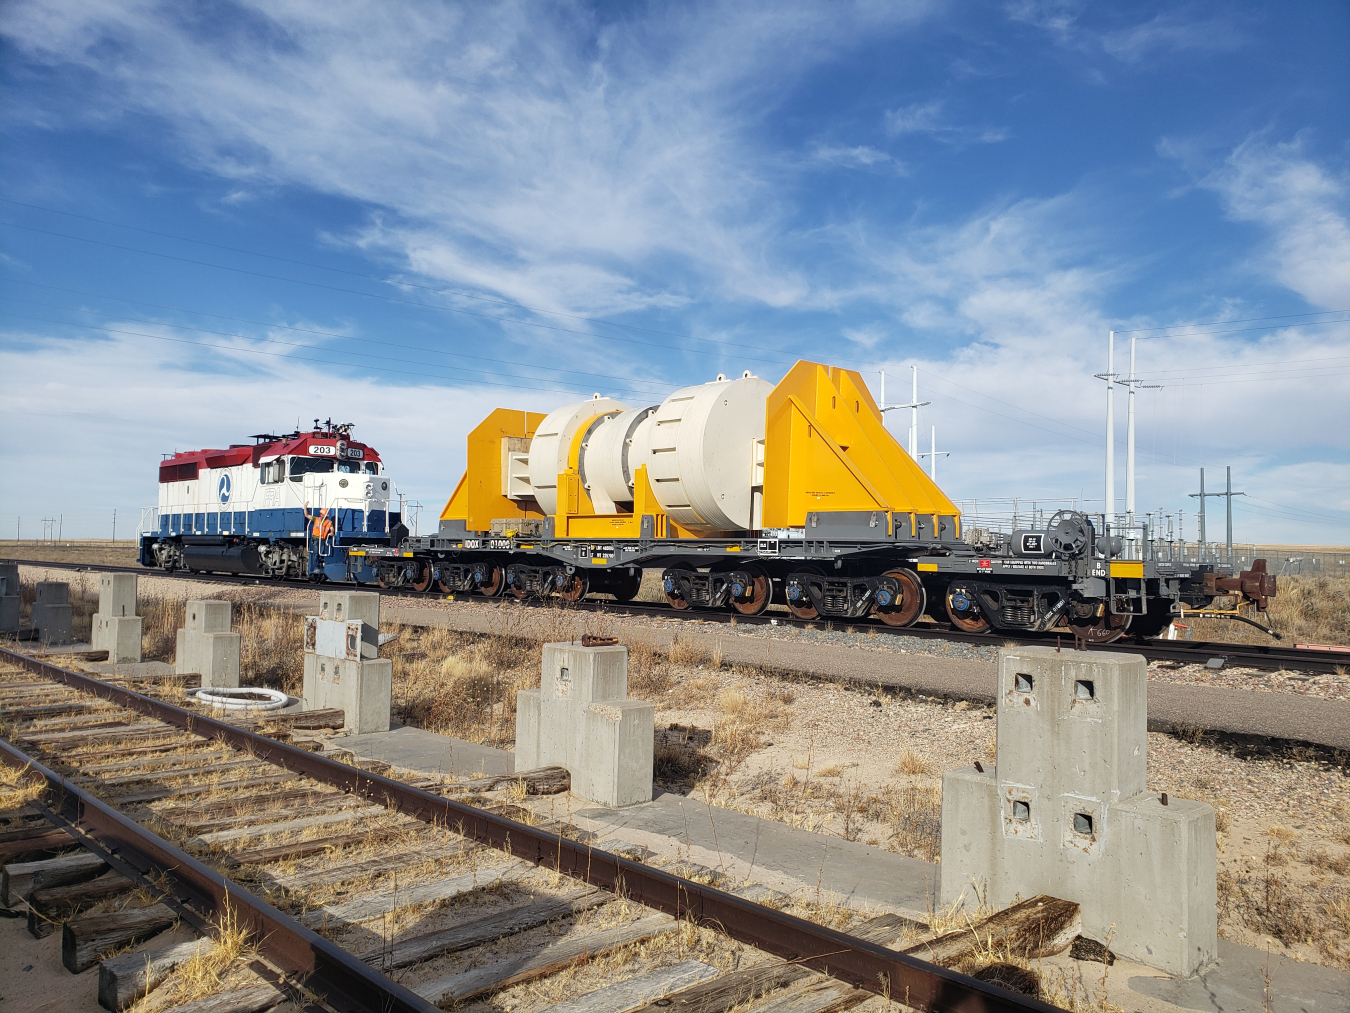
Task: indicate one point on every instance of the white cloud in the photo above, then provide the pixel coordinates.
(1169, 31)
(859, 157)
(541, 153)
(1304, 207)
(926, 118)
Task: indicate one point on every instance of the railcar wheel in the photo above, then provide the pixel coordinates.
(443, 586)
(420, 579)
(625, 588)
(964, 611)
(803, 607)
(574, 588)
(904, 611)
(757, 596)
(1098, 626)
(675, 600)
(494, 579)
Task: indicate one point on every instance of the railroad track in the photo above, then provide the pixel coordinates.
(368, 893)
(1268, 657)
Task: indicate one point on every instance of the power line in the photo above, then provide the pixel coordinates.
(1237, 320)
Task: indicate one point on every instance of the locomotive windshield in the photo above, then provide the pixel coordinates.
(310, 466)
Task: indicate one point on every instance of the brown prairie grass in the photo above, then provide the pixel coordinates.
(912, 763)
(1305, 610)
(687, 651)
(18, 787)
(1269, 901)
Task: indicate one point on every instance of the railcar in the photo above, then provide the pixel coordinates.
(744, 493)
(291, 506)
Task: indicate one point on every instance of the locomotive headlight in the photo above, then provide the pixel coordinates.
(384, 487)
(368, 489)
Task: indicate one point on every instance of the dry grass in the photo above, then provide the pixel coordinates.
(1305, 610)
(206, 973)
(18, 787)
(687, 651)
(912, 763)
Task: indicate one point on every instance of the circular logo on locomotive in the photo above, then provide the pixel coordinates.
(224, 489)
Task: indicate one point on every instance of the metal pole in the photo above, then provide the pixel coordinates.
(1202, 515)
(1228, 499)
(1129, 445)
(883, 398)
(1111, 429)
(114, 537)
(914, 414)
(933, 463)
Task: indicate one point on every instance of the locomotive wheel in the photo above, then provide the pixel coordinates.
(420, 579)
(575, 589)
(913, 599)
(964, 612)
(1103, 629)
(497, 584)
(443, 586)
(806, 610)
(674, 600)
(761, 592)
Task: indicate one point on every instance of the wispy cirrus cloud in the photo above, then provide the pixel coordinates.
(1303, 206)
(860, 156)
(1173, 30)
(927, 118)
(548, 155)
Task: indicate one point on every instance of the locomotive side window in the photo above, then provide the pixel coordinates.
(272, 472)
(310, 466)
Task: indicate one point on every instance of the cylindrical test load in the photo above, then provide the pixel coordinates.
(611, 455)
(552, 445)
(704, 454)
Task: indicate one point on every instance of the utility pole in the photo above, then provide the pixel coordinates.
(1110, 377)
(114, 537)
(934, 453)
(1132, 382)
(914, 405)
(1226, 495)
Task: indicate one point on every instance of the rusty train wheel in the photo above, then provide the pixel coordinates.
(1103, 629)
(761, 593)
(676, 601)
(575, 588)
(913, 600)
(804, 607)
(964, 611)
(420, 575)
(496, 582)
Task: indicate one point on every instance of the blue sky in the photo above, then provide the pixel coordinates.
(221, 218)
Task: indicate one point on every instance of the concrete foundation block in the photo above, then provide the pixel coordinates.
(214, 655)
(53, 622)
(117, 594)
(527, 729)
(1065, 812)
(53, 592)
(119, 635)
(9, 613)
(9, 579)
(616, 753)
(1164, 871)
(572, 678)
(207, 615)
(342, 606)
(362, 690)
(581, 718)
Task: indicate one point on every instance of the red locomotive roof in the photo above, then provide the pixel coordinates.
(185, 465)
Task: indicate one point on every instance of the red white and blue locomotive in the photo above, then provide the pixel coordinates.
(304, 505)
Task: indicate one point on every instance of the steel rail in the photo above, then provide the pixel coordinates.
(202, 895)
(1194, 652)
(857, 962)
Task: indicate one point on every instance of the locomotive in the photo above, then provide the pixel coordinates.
(301, 505)
(745, 493)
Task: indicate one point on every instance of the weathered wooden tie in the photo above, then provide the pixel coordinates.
(48, 907)
(84, 938)
(19, 879)
(124, 979)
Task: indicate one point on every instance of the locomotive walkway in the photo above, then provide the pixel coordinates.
(1300, 719)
